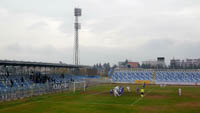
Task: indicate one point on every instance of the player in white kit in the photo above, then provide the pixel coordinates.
(179, 91)
(116, 91)
(128, 88)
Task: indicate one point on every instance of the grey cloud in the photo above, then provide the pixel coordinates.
(46, 53)
(134, 29)
(169, 49)
(38, 25)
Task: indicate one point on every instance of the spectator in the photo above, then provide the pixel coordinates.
(22, 79)
(11, 81)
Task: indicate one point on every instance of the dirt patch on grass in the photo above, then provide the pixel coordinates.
(89, 92)
(163, 90)
(191, 95)
(95, 93)
(152, 109)
(148, 108)
(156, 96)
(188, 104)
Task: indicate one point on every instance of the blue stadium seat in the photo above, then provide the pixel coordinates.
(161, 76)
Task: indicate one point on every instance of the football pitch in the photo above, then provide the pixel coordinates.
(98, 99)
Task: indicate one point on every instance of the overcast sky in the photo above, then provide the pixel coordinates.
(112, 30)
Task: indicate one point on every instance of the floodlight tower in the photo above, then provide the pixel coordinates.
(77, 26)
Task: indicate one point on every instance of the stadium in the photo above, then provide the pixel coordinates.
(29, 85)
(40, 87)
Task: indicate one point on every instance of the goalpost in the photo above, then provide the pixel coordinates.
(84, 83)
(79, 86)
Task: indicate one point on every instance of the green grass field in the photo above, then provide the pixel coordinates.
(98, 100)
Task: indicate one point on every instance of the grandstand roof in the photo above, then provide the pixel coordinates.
(39, 64)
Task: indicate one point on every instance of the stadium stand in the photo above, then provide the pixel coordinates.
(16, 86)
(158, 77)
(19, 79)
(131, 76)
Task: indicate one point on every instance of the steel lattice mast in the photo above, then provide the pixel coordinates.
(77, 26)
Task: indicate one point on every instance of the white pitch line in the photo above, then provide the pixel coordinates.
(141, 97)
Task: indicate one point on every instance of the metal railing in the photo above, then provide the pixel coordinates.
(8, 94)
(33, 90)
